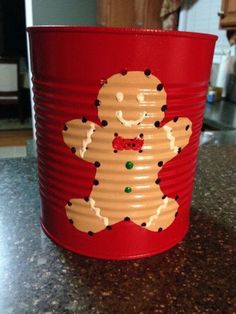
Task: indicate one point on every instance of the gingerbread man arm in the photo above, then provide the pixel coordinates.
(177, 133)
(77, 135)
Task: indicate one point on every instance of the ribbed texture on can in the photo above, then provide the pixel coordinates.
(110, 189)
(64, 175)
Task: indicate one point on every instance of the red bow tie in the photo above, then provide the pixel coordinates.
(120, 143)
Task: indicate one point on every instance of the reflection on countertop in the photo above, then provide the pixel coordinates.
(218, 137)
(196, 276)
(220, 115)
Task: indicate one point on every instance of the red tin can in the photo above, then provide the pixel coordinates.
(118, 119)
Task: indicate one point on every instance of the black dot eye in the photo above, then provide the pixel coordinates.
(163, 197)
(95, 182)
(124, 71)
(176, 214)
(90, 233)
(160, 230)
(115, 134)
(175, 119)
(143, 224)
(141, 135)
(164, 108)
(86, 199)
(97, 164)
(179, 150)
(73, 150)
(65, 127)
(69, 204)
(157, 124)
(160, 163)
(84, 119)
(147, 72)
(104, 123)
(109, 227)
(97, 103)
(126, 219)
(71, 221)
(140, 151)
(187, 127)
(115, 151)
(159, 87)
(158, 181)
(176, 197)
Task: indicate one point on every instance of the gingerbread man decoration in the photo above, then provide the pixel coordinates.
(128, 149)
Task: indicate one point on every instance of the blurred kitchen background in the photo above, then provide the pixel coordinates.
(208, 16)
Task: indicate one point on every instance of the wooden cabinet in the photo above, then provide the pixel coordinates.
(228, 14)
(129, 13)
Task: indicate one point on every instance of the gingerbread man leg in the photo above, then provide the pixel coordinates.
(164, 216)
(158, 217)
(85, 216)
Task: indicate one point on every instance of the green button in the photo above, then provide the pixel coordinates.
(128, 189)
(129, 165)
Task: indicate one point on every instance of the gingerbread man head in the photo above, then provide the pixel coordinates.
(131, 99)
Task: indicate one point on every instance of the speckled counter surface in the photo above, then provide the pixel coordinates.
(196, 276)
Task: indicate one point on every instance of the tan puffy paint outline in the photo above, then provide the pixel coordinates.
(93, 143)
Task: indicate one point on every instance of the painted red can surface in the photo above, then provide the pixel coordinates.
(118, 119)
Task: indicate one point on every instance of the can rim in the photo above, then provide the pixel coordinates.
(118, 30)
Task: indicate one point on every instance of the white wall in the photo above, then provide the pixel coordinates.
(64, 12)
(201, 16)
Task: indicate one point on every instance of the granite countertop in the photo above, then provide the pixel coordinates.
(196, 276)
